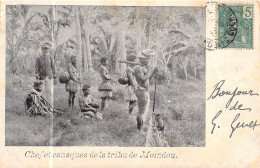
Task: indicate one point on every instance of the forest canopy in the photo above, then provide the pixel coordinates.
(177, 34)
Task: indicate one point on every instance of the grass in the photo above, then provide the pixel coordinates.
(182, 103)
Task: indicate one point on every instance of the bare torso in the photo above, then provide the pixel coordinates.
(142, 75)
(84, 101)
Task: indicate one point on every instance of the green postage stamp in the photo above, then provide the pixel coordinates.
(235, 26)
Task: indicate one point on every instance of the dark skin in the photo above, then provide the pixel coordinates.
(83, 106)
(86, 92)
(131, 106)
(86, 109)
(143, 78)
(103, 99)
(45, 51)
(131, 103)
(72, 95)
(143, 74)
(74, 61)
(71, 99)
(38, 88)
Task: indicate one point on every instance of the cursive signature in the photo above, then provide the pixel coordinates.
(235, 126)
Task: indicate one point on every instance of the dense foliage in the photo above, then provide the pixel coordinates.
(176, 33)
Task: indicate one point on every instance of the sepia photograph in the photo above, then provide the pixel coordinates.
(127, 76)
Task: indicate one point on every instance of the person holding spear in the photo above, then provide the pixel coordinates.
(143, 74)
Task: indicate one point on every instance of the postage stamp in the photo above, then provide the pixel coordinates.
(235, 26)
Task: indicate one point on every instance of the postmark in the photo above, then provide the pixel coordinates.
(235, 26)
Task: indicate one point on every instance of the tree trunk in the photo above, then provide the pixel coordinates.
(121, 52)
(183, 66)
(185, 72)
(53, 35)
(84, 55)
(195, 72)
(89, 57)
(83, 40)
(16, 47)
(147, 33)
(139, 35)
(78, 36)
(138, 45)
(113, 55)
(112, 52)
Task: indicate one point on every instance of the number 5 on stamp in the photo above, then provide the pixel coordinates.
(247, 11)
(235, 26)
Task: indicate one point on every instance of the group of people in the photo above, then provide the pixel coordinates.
(138, 74)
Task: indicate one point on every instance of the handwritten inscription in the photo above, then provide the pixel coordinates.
(236, 123)
(213, 121)
(217, 92)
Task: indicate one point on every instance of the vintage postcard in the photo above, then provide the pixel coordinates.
(130, 84)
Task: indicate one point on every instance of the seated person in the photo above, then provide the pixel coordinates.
(86, 103)
(35, 104)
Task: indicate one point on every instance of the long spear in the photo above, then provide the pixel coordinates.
(80, 80)
(129, 62)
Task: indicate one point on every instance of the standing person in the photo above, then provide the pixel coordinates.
(105, 87)
(131, 87)
(72, 84)
(143, 74)
(45, 71)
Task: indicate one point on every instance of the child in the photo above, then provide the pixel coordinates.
(105, 87)
(86, 103)
(72, 85)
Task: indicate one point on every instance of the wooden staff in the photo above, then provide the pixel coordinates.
(80, 82)
(129, 62)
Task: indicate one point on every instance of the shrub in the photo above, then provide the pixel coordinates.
(164, 76)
